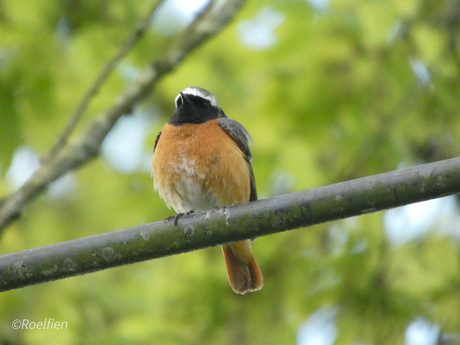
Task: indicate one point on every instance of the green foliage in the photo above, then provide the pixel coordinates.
(336, 97)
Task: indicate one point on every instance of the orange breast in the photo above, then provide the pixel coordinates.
(198, 166)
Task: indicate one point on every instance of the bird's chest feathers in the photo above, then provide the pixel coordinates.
(192, 156)
(196, 168)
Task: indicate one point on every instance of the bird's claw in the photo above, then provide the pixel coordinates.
(177, 216)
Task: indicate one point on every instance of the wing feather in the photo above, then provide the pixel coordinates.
(241, 137)
(156, 142)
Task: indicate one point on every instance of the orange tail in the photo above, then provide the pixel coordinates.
(243, 273)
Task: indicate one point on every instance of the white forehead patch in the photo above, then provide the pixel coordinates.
(199, 92)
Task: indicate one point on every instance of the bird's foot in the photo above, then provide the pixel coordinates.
(177, 216)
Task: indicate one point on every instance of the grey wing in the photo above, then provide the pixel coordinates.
(156, 142)
(241, 137)
(239, 134)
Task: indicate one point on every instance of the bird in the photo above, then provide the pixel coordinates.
(201, 161)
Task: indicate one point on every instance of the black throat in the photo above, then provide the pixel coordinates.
(194, 110)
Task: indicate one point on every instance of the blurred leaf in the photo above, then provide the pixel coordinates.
(357, 88)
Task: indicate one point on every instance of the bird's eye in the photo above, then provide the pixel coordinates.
(179, 101)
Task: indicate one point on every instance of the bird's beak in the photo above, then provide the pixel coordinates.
(185, 99)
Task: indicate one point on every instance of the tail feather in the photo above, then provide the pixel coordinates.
(243, 272)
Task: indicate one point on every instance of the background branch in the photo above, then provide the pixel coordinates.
(85, 147)
(250, 220)
(140, 30)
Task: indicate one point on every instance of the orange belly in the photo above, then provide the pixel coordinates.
(198, 166)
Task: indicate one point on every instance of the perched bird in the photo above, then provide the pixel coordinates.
(201, 160)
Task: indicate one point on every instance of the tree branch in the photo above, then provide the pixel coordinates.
(84, 148)
(215, 227)
(140, 30)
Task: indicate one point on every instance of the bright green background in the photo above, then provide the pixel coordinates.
(335, 98)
